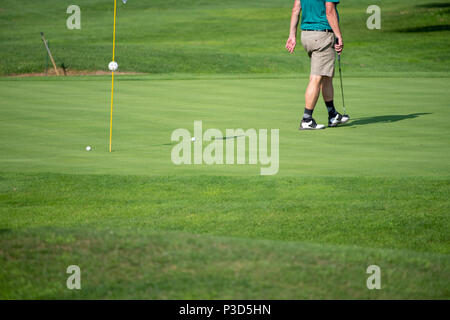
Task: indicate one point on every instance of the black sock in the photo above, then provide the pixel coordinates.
(308, 114)
(331, 109)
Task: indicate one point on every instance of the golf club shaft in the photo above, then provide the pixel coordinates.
(342, 88)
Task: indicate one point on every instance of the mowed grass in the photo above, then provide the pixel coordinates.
(174, 265)
(372, 192)
(399, 128)
(384, 212)
(209, 37)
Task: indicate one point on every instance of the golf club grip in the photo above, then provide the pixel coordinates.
(338, 53)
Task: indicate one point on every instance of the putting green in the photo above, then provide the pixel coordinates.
(399, 127)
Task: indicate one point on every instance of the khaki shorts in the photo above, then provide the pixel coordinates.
(320, 48)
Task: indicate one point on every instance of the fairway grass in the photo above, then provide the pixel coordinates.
(372, 192)
(175, 265)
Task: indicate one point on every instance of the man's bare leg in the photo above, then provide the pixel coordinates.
(313, 91)
(327, 89)
(334, 118)
(311, 97)
(328, 94)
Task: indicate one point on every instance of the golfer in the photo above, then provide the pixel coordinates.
(321, 37)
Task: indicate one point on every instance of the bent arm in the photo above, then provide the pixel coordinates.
(333, 20)
(292, 41)
(295, 18)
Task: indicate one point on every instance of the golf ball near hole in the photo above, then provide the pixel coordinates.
(113, 66)
(88, 148)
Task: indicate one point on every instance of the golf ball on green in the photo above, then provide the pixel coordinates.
(88, 148)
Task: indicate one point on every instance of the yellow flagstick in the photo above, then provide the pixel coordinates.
(112, 79)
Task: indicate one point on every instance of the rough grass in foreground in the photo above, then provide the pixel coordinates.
(223, 237)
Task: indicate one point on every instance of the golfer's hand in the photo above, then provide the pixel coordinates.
(290, 44)
(339, 45)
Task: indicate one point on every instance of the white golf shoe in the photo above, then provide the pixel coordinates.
(338, 119)
(310, 125)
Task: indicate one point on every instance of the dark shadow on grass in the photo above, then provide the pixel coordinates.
(2, 231)
(443, 27)
(166, 144)
(383, 119)
(230, 137)
(434, 5)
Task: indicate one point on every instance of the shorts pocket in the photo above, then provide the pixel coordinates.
(325, 42)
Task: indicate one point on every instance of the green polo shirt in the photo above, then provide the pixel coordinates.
(314, 16)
